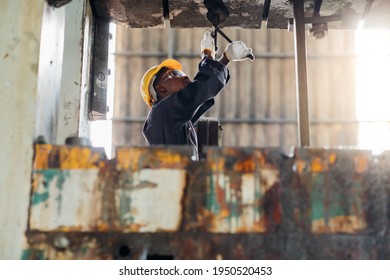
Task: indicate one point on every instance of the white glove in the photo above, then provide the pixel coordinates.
(207, 43)
(237, 51)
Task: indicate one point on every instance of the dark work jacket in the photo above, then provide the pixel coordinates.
(171, 120)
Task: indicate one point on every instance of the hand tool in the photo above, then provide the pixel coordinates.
(216, 29)
(218, 12)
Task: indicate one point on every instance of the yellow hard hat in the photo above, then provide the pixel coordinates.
(147, 90)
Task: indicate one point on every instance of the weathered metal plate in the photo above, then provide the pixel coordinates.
(140, 191)
(240, 203)
(203, 246)
(66, 188)
(242, 185)
(136, 158)
(150, 200)
(65, 200)
(67, 246)
(333, 185)
(150, 190)
(67, 157)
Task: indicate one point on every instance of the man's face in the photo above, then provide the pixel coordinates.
(170, 82)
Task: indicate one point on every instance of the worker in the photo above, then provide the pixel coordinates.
(176, 102)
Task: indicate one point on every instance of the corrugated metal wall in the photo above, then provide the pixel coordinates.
(258, 106)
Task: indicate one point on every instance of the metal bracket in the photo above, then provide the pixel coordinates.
(98, 99)
(366, 11)
(267, 5)
(318, 30)
(166, 14)
(58, 3)
(217, 11)
(316, 20)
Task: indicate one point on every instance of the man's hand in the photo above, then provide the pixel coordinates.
(237, 51)
(207, 45)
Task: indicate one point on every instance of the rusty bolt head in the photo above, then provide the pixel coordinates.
(61, 242)
(319, 30)
(319, 34)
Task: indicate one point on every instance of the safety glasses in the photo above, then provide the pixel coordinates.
(171, 74)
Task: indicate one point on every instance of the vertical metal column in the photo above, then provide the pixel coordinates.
(98, 99)
(301, 74)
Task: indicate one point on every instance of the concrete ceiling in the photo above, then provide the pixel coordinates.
(242, 13)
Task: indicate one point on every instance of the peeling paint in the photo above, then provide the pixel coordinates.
(245, 203)
(33, 254)
(46, 178)
(336, 205)
(135, 159)
(64, 157)
(154, 207)
(237, 188)
(65, 182)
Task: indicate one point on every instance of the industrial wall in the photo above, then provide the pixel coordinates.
(44, 83)
(19, 50)
(258, 106)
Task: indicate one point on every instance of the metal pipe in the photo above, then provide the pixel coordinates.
(365, 13)
(166, 16)
(367, 8)
(250, 56)
(323, 19)
(301, 74)
(258, 55)
(266, 121)
(165, 4)
(267, 5)
(317, 7)
(171, 43)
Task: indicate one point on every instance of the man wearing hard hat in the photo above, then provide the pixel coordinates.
(177, 102)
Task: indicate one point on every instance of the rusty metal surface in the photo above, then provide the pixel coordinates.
(243, 190)
(65, 184)
(201, 245)
(335, 187)
(239, 203)
(150, 188)
(75, 189)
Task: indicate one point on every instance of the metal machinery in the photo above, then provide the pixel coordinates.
(236, 203)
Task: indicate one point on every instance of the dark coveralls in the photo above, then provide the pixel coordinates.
(171, 120)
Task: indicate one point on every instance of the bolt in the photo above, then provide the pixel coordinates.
(319, 34)
(319, 30)
(61, 242)
(101, 76)
(290, 26)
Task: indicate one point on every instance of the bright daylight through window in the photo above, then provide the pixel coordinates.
(101, 131)
(373, 89)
